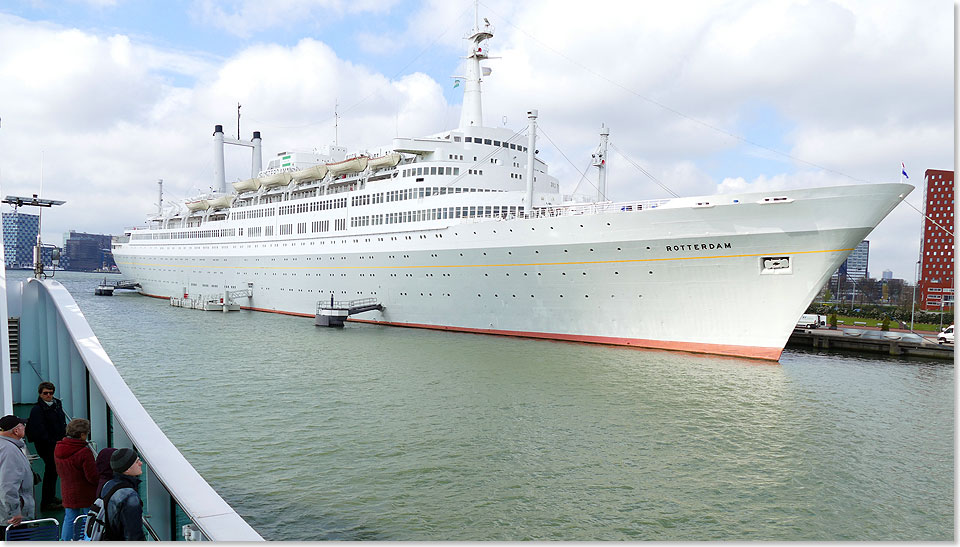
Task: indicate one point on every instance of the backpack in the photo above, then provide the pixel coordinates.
(95, 528)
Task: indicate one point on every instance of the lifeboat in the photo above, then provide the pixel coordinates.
(221, 202)
(278, 179)
(389, 160)
(310, 174)
(249, 185)
(197, 205)
(352, 165)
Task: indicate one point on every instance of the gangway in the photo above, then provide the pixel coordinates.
(337, 311)
(225, 302)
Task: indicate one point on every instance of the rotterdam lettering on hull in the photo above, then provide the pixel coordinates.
(699, 247)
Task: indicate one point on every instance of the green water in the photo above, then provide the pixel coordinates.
(386, 433)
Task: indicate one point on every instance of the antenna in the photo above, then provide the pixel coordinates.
(36, 201)
(238, 121)
(336, 121)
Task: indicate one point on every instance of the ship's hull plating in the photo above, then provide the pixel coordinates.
(725, 279)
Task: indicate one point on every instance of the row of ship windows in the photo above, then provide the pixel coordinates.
(315, 226)
(427, 294)
(256, 213)
(312, 206)
(489, 211)
(492, 142)
(196, 234)
(421, 171)
(319, 226)
(414, 193)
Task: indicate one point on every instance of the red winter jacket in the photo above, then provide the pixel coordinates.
(78, 473)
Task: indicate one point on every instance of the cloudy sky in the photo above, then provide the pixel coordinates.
(108, 96)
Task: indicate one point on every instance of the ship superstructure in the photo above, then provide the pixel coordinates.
(466, 230)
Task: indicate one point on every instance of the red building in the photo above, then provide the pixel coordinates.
(936, 247)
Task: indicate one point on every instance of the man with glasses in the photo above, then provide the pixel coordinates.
(16, 477)
(46, 426)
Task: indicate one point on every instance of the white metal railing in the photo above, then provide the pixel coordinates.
(58, 345)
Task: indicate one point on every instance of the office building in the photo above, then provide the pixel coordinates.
(845, 281)
(19, 239)
(84, 252)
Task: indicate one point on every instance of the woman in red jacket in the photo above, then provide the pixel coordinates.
(78, 474)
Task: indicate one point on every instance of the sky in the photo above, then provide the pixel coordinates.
(99, 99)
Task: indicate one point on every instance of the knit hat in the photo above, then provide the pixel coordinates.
(9, 422)
(122, 459)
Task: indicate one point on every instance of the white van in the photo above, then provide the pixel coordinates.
(946, 337)
(811, 321)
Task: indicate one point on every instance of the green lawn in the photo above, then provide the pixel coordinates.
(845, 321)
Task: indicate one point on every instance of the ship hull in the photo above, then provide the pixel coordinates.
(728, 277)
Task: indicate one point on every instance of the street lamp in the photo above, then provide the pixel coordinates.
(913, 304)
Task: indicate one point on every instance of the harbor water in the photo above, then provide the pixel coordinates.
(384, 433)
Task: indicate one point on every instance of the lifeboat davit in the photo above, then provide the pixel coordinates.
(277, 179)
(352, 165)
(310, 174)
(389, 160)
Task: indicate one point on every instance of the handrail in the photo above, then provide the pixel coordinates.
(205, 508)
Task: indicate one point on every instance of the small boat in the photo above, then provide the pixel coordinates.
(221, 202)
(249, 185)
(310, 174)
(277, 179)
(388, 160)
(198, 205)
(352, 165)
(104, 289)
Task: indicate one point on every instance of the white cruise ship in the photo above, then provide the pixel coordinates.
(466, 230)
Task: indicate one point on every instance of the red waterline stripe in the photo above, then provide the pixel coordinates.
(750, 352)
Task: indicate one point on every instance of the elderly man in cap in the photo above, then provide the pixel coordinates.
(124, 508)
(16, 476)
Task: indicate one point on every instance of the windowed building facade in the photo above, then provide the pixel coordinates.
(19, 239)
(854, 269)
(936, 246)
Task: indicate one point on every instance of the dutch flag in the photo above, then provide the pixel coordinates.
(903, 170)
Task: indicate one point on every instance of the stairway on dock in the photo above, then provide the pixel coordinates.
(337, 311)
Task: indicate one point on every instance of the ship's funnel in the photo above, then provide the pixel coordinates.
(219, 181)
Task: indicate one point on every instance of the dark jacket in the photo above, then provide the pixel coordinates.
(78, 473)
(125, 510)
(47, 424)
(103, 467)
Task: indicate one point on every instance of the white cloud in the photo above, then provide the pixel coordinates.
(853, 86)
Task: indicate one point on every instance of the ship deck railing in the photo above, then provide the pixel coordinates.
(56, 344)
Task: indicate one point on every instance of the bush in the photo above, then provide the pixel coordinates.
(833, 321)
(885, 325)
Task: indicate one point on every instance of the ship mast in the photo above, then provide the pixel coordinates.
(600, 162)
(471, 115)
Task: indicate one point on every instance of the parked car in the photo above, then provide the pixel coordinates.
(811, 321)
(946, 337)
